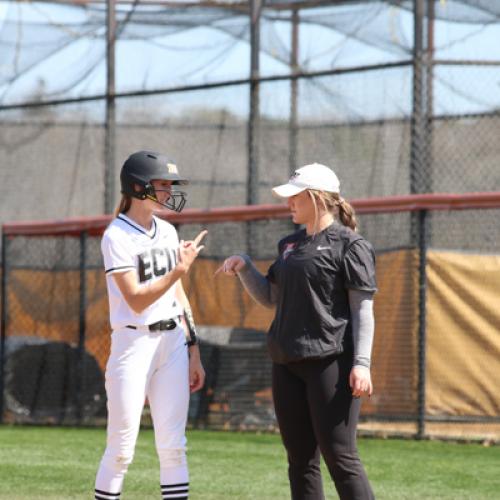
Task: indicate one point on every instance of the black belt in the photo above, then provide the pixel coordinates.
(164, 324)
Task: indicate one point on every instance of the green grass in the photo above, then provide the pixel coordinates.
(60, 464)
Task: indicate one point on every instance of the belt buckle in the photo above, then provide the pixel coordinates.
(170, 324)
(163, 324)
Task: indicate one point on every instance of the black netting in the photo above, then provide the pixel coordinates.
(203, 41)
(388, 122)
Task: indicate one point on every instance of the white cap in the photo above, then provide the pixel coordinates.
(314, 176)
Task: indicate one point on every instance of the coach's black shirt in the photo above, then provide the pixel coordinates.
(313, 274)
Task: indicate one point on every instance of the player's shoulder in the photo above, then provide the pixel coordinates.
(114, 236)
(349, 238)
(344, 233)
(116, 229)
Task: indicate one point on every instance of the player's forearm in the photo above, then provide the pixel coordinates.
(194, 352)
(363, 326)
(257, 285)
(142, 297)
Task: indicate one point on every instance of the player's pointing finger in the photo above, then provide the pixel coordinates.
(200, 237)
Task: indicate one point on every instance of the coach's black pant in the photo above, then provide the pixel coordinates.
(317, 414)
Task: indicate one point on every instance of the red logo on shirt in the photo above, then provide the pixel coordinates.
(288, 250)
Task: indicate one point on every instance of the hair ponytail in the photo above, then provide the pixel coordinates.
(336, 205)
(346, 213)
(124, 205)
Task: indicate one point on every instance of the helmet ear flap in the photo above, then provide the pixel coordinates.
(130, 184)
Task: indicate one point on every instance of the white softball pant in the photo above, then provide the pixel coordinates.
(153, 365)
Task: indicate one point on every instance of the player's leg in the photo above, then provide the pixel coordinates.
(127, 373)
(335, 413)
(289, 395)
(168, 395)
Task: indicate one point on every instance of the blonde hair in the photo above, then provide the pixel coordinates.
(124, 205)
(336, 205)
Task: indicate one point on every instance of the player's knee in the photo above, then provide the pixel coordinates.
(172, 457)
(343, 464)
(118, 462)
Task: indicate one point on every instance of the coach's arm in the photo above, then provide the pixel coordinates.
(258, 286)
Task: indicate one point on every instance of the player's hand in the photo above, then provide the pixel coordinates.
(196, 370)
(188, 251)
(232, 265)
(360, 381)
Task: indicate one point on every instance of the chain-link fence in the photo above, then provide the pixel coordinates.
(436, 344)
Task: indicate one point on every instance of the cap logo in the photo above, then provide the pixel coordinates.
(172, 168)
(295, 175)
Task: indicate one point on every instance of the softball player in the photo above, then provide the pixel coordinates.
(322, 284)
(149, 315)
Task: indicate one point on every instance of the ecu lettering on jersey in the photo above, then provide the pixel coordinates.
(151, 254)
(155, 263)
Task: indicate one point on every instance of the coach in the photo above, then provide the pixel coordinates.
(322, 285)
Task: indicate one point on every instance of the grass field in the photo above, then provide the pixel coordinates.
(60, 463)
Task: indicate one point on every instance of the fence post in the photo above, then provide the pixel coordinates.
(421, 180)
(429, 96)
(3, 323)
(294, 67)
(253, 176)
(423, 220)
(110, 127)
(80, 375)
(254, 117)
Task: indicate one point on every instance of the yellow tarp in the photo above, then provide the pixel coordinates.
(463, 334)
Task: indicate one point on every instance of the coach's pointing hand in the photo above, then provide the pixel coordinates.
(232, 265)
(188, 251)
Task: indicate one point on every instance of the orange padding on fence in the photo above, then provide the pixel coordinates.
(463, 343)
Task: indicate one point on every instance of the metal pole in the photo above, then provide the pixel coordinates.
(418, 98)
(3, 323)
(422, 319)
(417, 119)
(429, 96)
(81, 326)
(294, 66)
(253, 122)
(253, 119)
(110, 137)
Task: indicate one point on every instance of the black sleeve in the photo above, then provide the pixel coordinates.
(359, 267)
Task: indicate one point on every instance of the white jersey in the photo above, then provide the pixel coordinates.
(151, 254)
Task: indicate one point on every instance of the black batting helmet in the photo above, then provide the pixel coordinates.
(144, 166)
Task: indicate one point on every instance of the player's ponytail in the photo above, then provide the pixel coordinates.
(338, 206)
(346, 212)
(124, 205)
